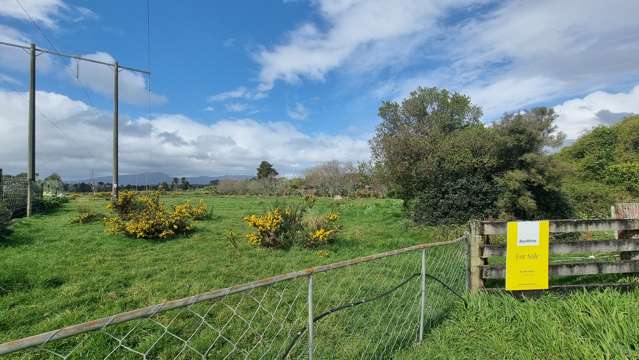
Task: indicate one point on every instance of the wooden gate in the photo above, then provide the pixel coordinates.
(487, 247)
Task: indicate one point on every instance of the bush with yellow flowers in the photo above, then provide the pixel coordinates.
(283, 226)
(146, 217)
(321, 230)
(201, 211)
(277, 228)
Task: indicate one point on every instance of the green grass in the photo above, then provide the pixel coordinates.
(585, 325)
(55, 273)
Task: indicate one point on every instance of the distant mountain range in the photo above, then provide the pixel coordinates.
(154, 178)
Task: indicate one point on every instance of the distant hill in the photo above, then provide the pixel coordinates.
(154, 178)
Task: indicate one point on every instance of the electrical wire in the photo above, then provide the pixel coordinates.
(44, 35)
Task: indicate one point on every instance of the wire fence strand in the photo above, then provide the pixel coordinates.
(362, 308)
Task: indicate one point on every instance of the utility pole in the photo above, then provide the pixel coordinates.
(31, 135)
(93, 181)
(114, 190)
(31, 166)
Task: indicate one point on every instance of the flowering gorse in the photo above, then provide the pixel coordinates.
(268, 228)
(322, 229)
(145, 216)
(282, 227)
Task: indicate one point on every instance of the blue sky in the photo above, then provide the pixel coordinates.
(296, 82)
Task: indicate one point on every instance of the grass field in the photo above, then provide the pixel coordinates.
(56, 274)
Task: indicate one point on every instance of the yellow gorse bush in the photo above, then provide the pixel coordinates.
(145, 216)
(267, 228)
(321, 234)
(200, 211)
(282, 227)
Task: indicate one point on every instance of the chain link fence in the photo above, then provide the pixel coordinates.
(363, 308)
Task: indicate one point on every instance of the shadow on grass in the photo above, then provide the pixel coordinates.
(11, 238)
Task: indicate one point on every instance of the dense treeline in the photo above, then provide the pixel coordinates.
(602, 167)
(449, 167)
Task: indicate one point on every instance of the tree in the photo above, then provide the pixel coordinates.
(332, 178)
(53, 184)
(184, 183)
(266, 171)
(606, 158)
(448, 167)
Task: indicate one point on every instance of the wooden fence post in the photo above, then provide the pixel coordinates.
(476, 242)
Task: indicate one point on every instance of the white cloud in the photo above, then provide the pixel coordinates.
(209, 109)
(44, 12)
(237, 93)
(352, 25)
(48, 14)
(298, 112)
(236, 107)
(171, 143)
(527, 52)
(8, 80)
(598, 108)
(240, 92)
(99, 78)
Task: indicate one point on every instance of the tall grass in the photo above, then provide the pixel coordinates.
(584, 325)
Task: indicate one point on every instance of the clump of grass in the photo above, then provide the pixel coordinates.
(86, 215)
(584, 325)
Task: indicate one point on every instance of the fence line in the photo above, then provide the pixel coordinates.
(278, 316)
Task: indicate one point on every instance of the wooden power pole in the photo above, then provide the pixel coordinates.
(31, 135)
(116, 121)
(31, 166)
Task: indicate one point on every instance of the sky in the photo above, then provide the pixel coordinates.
(294, 82)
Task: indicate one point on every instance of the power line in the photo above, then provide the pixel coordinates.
(71, 56)
(35, 24)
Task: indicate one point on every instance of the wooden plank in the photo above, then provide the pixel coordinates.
(571, 269)
(476, 241)
(568, 226)
(573, 247)
(625, 211)
(565, 289)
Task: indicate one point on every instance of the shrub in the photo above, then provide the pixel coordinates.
(127, 204)
(145, 216)
(201, 211)
(283, 226)
(626, 175)
(591, 200)
(51, 202)
(276, 228)
(86, 216)
(321, 230)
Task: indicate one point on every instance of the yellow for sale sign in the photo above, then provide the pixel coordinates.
(527, 255)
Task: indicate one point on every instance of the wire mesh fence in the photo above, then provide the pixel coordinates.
(362, 308)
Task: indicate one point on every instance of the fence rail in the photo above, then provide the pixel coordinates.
(627, 249)
(382, 305)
